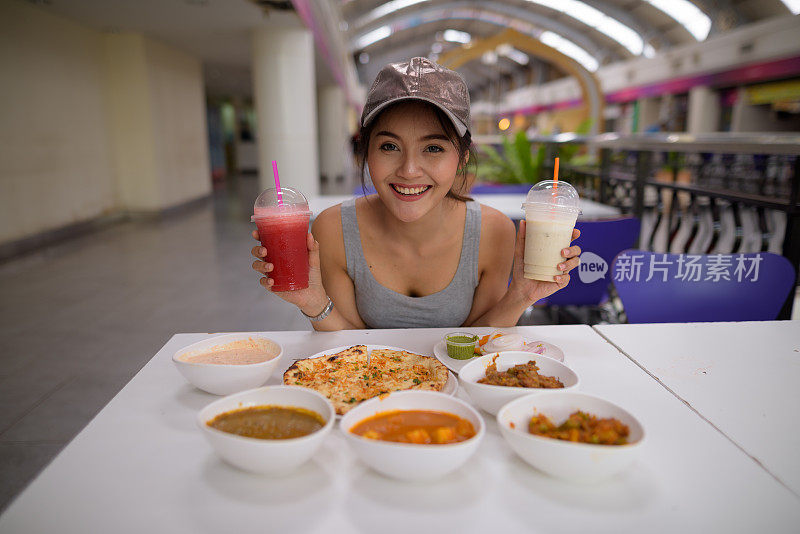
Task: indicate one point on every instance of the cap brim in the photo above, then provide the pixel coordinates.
(461, 128)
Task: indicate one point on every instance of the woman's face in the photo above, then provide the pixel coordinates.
(411, 161)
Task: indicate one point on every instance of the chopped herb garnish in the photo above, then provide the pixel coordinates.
(417, 381)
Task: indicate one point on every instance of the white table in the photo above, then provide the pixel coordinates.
(744, 378)
(141, 465)
(510, 205)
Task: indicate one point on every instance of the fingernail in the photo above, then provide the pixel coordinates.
(561, 267)
(263, 251)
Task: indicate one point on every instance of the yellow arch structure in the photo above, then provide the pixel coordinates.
(590, 86)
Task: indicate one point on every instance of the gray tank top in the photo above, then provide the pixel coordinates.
(380, 307)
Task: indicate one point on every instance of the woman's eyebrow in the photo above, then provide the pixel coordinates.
(429, 137)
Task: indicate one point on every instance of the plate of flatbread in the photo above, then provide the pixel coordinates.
(349, 375)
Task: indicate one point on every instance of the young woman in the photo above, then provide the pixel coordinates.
(418, 253)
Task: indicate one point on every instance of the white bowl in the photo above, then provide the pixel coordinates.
(564, 459)
(492, 398)
(406, 461)
(224, 379)
(267, 456)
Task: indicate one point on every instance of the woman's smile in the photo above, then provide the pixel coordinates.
(410, 192)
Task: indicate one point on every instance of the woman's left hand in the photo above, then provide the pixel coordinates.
(531, 291)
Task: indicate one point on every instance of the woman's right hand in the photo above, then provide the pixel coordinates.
(311, 300)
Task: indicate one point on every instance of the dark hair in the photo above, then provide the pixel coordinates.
(463, 146)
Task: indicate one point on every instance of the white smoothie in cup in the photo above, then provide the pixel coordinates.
(551, 209)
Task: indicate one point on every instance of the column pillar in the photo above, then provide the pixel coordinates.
(704, 110)
(648, 113)
(284, 91)
(334, 145)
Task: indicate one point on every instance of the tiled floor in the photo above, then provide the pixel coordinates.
(78, 320)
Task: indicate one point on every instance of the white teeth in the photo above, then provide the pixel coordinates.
(410, 190)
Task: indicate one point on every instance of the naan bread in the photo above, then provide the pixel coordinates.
(411, 371)
(352, 375)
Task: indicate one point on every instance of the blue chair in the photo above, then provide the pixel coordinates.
(500, 189)
(600, 242)
(672, 288)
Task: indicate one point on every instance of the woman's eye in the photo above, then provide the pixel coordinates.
(434, 148)
(388, 146)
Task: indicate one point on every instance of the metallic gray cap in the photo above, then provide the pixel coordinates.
(420, 79)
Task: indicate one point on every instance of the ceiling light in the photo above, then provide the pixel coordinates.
(568, 48)
(489, 58)
(373, 37)
(513, 54)
(687, 14)
(385, 9)
(594, 18)
(455, 36)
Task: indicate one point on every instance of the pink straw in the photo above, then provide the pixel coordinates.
(277, 182)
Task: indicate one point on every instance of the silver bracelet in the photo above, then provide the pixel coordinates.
(323, 314)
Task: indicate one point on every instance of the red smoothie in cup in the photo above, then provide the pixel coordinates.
(282, 217)
(283, 234)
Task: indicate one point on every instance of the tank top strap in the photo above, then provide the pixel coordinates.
(352, 237)
(470, 246)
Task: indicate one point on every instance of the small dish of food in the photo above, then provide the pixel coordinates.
(229, 363)
(460, 345)
(413, 435)
(269, 430)
(571, 435)
(495, 379)
(496, 342)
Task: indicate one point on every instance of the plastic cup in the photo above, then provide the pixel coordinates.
(551, 209)
(282, 229)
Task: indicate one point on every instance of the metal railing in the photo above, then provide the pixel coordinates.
(719, 193)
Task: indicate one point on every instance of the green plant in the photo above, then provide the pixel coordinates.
(566, 153)
(520, 162)
(517, 164)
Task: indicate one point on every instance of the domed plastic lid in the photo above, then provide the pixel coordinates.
(554, 195)
(291, 201)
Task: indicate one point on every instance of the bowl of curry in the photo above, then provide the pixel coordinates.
(571, 435)
(496, 379)
(269, 430)
(413, 435)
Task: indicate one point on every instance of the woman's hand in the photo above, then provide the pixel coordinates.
(531, 291)
(311, 300)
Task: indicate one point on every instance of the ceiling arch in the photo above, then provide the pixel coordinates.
(505, 15)
(590, 86)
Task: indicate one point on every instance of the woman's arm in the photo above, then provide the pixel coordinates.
(327, 230)
(327, 276)
(496, 302)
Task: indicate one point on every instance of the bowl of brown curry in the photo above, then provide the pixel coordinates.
(269, 430)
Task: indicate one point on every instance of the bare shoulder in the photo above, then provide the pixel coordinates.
(495, 225)
(497, 241)
(327, 230)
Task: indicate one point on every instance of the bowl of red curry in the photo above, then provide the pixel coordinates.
(572, 435)
(413, 435)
